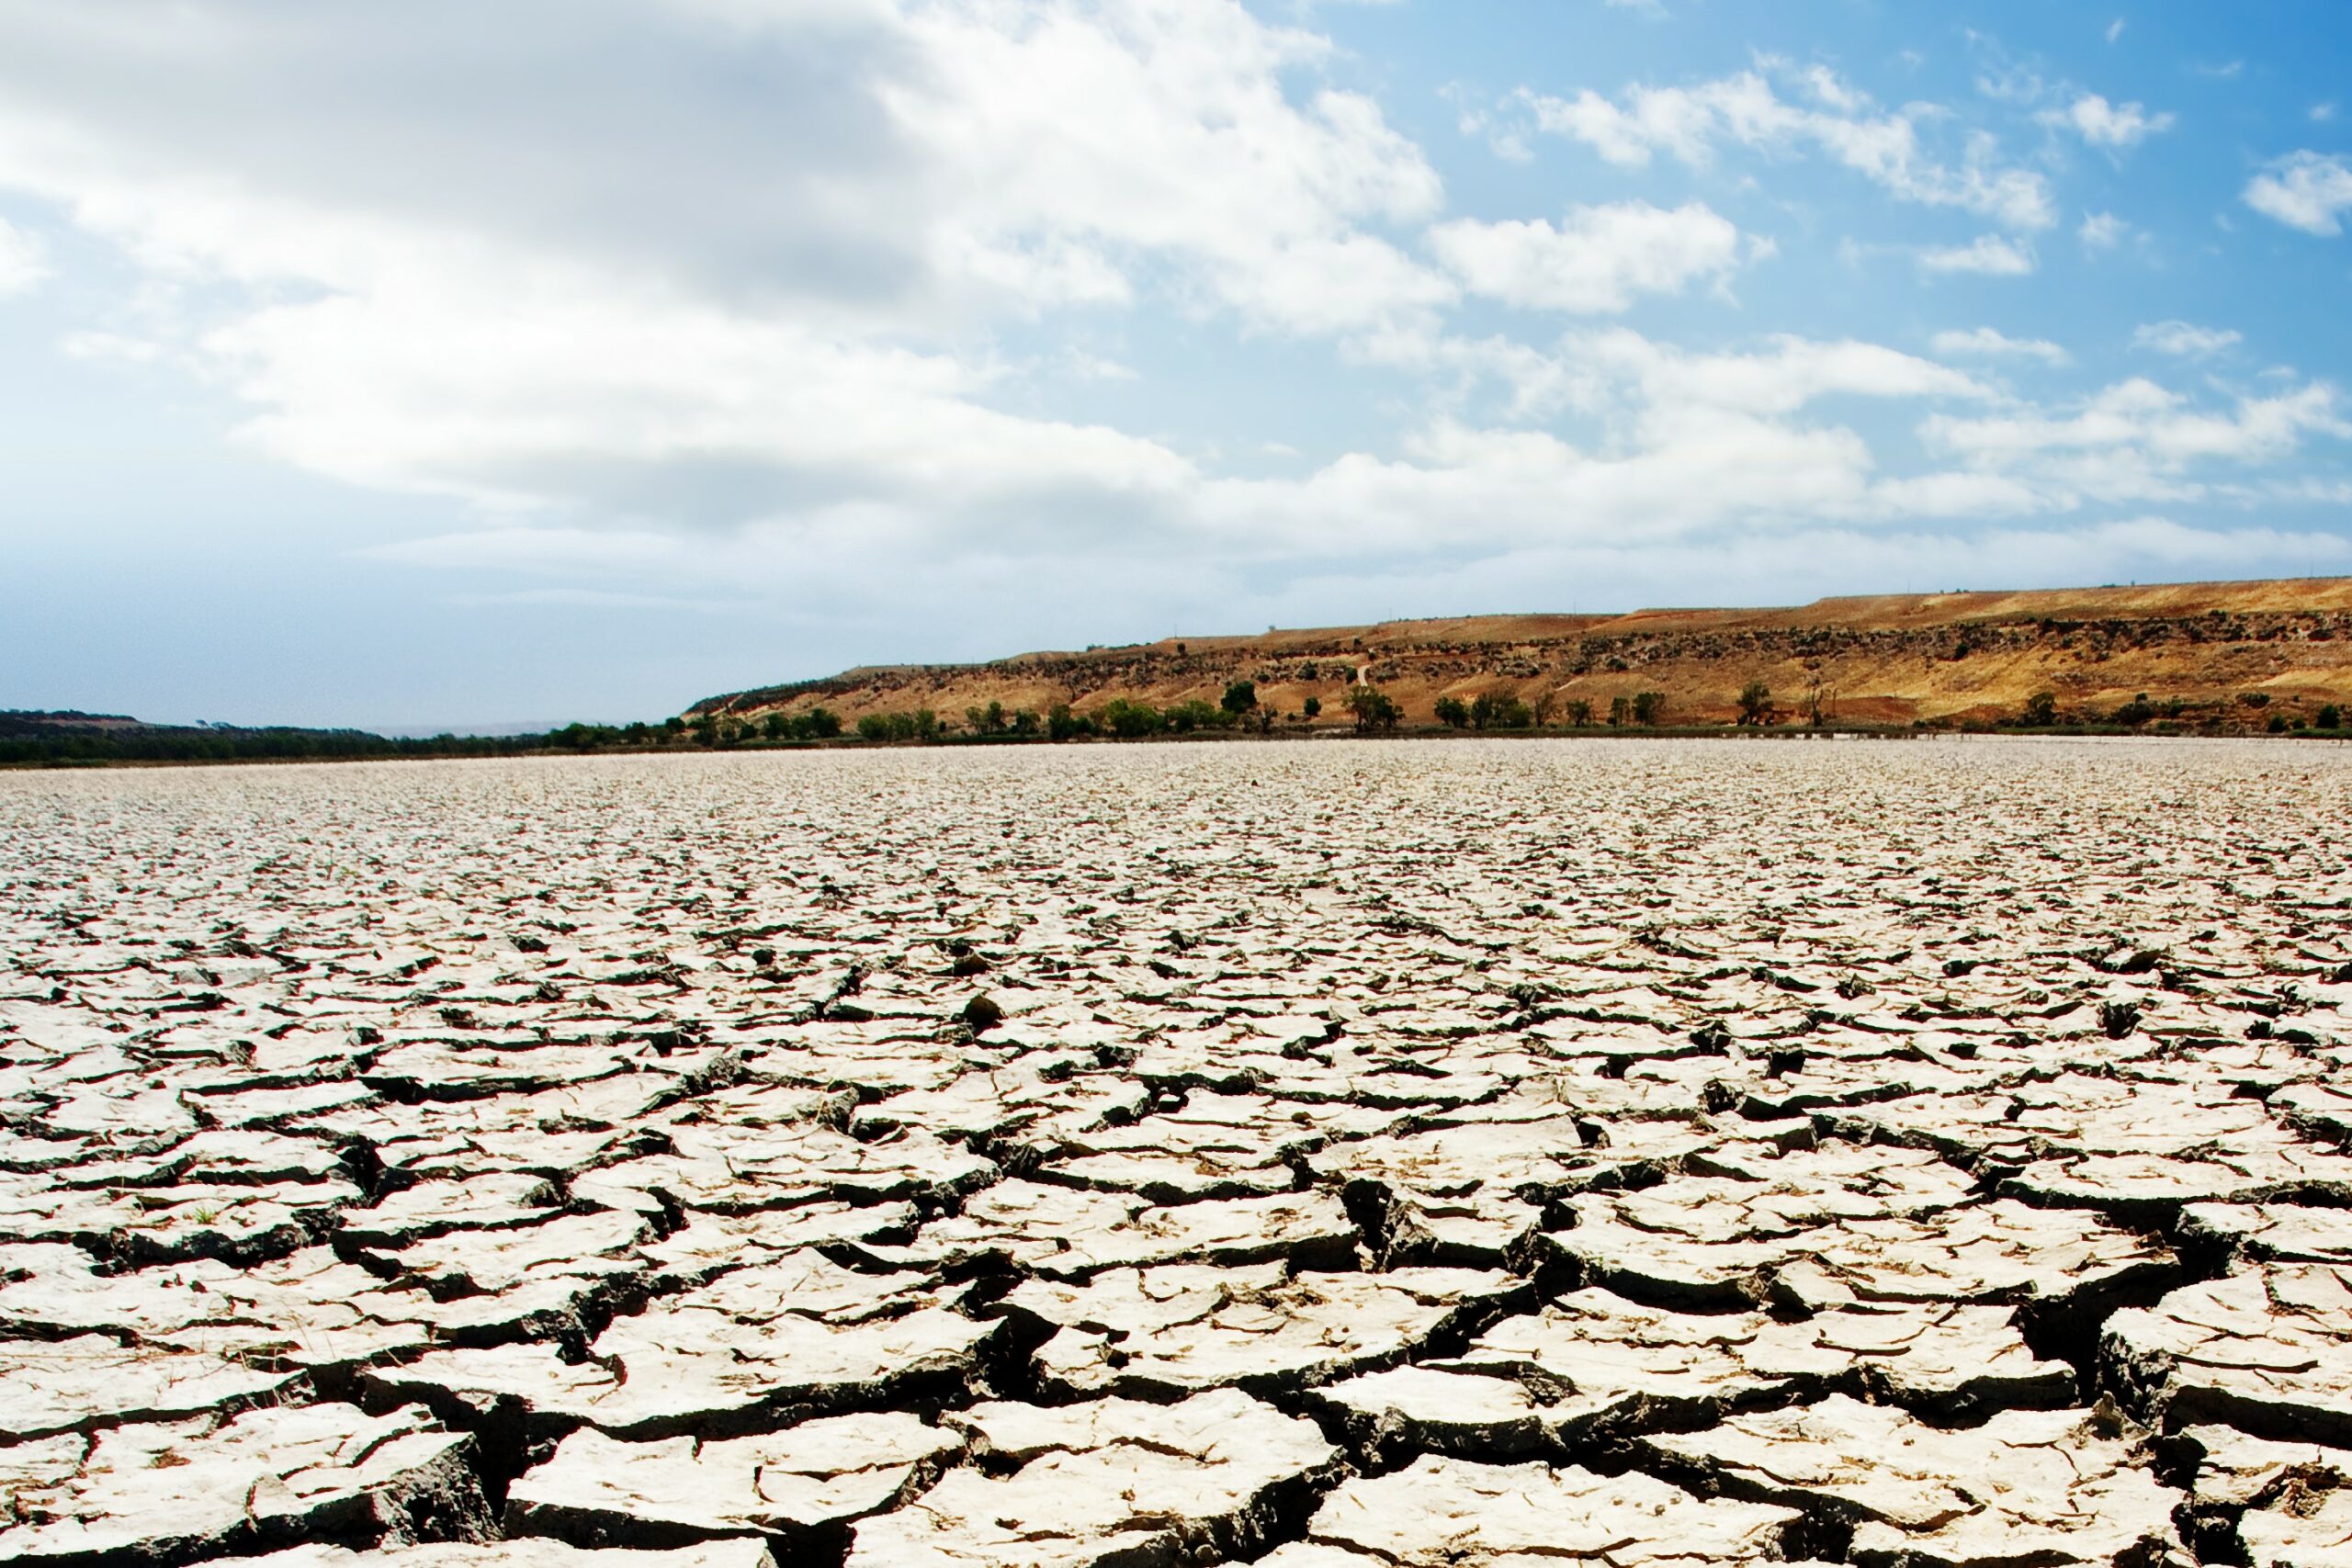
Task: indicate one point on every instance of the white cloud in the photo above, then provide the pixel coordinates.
(21, 264)
(2136, 440)
(1689, 123)
(2304, 190)
(2115, 29)
(1989, 254)
(428, 301)
(2320, 114)
(719, 331)
(1987, 343)
(1595, 261)
(2102, 231)
(2184, 339)
(2103, 124)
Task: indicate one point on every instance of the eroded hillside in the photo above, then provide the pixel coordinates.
(2233, 654)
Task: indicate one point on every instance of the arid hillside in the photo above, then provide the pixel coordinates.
(2233, 655)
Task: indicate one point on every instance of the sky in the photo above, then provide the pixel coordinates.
(451, 364)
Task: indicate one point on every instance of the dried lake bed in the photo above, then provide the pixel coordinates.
(1328, 1154)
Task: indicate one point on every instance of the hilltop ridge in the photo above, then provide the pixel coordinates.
(2233, 655)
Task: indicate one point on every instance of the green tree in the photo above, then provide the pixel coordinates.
(1756, 704)
(874, 727)
(820, 724)
(1373, 709)
(1129, 720)
(776, 727)
(1620, 710)
(1312, 706)
(1453, 712)
(2041, 709)
(2329, 718)
(1239, 697)
(1063, 725)
(1580, 713)
(1187, 717)
(1547, 706)
(1500, 710)
(1648, 707)
(1025, 722)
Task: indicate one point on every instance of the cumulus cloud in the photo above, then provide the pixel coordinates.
(2103, 124)
(723, 302)
(1745, 109)
(2183, 339)
(1595, 261)
(2101, 231)
(661, 317)
(2304, 190)
(1988, 255)
(2136, 440)
(1986, 342)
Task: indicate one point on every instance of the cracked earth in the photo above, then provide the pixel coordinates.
(1327, 1155)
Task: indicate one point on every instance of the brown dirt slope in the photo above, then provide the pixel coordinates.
(2233, 653)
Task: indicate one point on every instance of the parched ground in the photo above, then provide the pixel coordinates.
(1336, 1155)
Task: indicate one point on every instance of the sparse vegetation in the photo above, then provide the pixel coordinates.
(1756, 705)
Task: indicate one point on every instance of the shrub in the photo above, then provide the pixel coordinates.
(1312, 706)
(776, 727)
(1500, 710)
(2139, 710)
(1756, 704)
(817, 724)
(1239, 697)
(1187, 717)
(2041, 709)
(921, 725)
(1373, 709)
(1453, 712)
(1063, 725)
(2329, 718)
(1127, 720)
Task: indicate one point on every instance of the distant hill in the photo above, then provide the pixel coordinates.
(2232, 654)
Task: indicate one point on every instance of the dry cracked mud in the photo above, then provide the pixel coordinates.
(1419, 1155)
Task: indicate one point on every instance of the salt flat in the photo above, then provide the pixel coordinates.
(1329, 1153)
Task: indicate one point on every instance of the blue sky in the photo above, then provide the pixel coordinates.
(458, 365)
